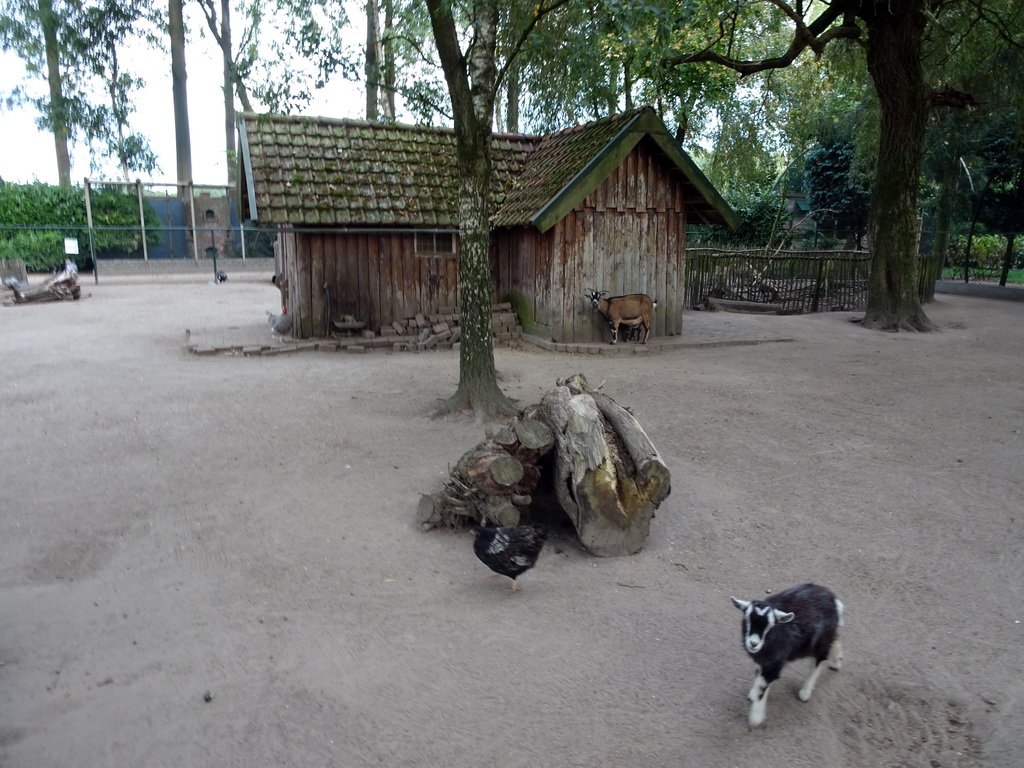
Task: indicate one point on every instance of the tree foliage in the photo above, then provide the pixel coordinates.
(74, 46)
(897, 39)
(839, 197)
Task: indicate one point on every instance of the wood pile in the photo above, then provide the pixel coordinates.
(577, 453)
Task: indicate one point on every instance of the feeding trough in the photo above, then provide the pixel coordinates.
(348, 324)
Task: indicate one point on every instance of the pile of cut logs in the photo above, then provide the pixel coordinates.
(577, 452)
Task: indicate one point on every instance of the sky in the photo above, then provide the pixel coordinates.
(29, 153)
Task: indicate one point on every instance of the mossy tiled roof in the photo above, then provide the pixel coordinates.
(558, 159)
(321, 172)
(570, 164)
(318, 171)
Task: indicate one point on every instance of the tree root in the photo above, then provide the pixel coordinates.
(890, 321)
(486, 402)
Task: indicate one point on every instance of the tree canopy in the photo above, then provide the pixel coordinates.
(74, 46)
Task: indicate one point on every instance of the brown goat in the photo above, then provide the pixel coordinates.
(631, 311)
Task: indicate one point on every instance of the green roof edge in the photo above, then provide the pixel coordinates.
(674, 150)
(246, 166)
(614, 152)
(587, 180)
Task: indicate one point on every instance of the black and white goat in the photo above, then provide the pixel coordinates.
(797, 623)
(632, 311)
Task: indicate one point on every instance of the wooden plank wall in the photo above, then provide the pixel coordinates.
(628, 236)
(519, 265)
(376, 276)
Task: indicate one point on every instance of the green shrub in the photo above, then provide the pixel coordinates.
(35, 219)
(41, 250)
(987, 252)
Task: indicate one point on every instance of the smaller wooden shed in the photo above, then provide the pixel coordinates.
(367, 218)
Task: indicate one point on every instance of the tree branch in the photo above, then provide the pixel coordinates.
(210, 12)
(453, 63)
(815, 36)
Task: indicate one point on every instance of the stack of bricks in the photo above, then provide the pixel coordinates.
(441, 330)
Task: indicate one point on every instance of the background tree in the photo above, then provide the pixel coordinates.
(473, 78)
(998, 200)
(893, 36)
(179, 94)
(838, 196)
(76, 47)
(306, 48)
(987, 59)
(105, 27)
(219, 24)
(34, 30)
(380, 61)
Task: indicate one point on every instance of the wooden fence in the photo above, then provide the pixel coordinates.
(793, 281)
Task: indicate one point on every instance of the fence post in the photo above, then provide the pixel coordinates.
(241, 236)
(192, 210)
(92, 245)
(142, 220)
(817, 284)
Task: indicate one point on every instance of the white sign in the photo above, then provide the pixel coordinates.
(71, 245)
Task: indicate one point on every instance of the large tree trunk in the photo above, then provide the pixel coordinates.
(228, 66)
(372, 70)
(471, 85)
(388, 62)
(182, 139)
(894, 61)
(58, 113)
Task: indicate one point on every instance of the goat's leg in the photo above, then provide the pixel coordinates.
(835, 655)
(615, 332)
(759, 695)
(808, 688)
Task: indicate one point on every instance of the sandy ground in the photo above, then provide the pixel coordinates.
(177, 528)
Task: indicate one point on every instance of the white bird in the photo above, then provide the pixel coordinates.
(281, 324)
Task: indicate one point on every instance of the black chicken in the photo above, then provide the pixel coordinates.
(510, 550)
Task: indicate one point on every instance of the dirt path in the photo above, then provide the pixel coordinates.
(174, 525)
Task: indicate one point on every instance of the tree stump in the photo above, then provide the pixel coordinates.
(578, 446)
(63, 286)
(609, 477)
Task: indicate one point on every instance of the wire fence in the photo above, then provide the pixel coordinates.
(137, 227)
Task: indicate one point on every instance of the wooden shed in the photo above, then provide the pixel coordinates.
(368, 218)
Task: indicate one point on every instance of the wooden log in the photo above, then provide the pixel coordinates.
(489, 470)
(651, 476)
(502, 513)
(604, 472)
(534, 435)
(428, 511)
(608, 485)
(506, 438)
